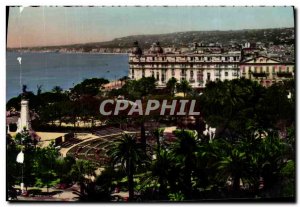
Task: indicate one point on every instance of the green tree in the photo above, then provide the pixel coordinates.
(184, 149)
(171, 85)
(91, 87)
(44, 166)
(79, 171)
(184, 87)
(158, 134)
(129, 154)
(57, 89)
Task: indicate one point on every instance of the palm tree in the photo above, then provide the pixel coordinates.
(234, 165)
(184, 87)
(158, 133)
(165, 172)
(129, 154)
(57, 89)
(79, 171)
(171, 85)
(124, 79)
(184, 149)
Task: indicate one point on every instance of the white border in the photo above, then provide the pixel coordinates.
(3, 3)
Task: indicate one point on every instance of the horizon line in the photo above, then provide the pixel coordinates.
(83, 43)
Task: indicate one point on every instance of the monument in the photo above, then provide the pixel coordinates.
(24, 122)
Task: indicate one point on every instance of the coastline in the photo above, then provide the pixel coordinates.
(86, 53)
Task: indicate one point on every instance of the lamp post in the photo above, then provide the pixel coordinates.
(20, 159)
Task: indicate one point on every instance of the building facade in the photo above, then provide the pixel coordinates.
(202, 64)
(266, 71)
(198, 67)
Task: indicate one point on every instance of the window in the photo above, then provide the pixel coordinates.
(255, 69)
(287, 69)
(157, 76)
(153, 58)
(143, 73)
(152, 73)
(267, 70)
(163, 76)
(261, 69)
(226, 73)
(173, 72)
(191, 74)
(182, 72)
(199, 76)
(208, 76)
(279, 69)
(273, 69)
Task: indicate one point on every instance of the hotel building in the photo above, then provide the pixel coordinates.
(201, 64)
(266, 71)
(198, 66)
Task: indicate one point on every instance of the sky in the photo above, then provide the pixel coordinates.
(46, 26)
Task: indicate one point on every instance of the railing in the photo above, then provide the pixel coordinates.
(192, 80)
(259, 74)
(285, 74)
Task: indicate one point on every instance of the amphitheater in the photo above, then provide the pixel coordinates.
(94, 147)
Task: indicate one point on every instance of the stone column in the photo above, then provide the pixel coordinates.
(24, 120)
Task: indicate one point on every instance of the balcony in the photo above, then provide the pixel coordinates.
(192, 80)
(259, 74)
(285, 74)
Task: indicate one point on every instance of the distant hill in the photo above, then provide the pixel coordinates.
(182, 39)
(179, 39)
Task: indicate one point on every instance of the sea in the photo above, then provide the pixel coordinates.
(51, 69)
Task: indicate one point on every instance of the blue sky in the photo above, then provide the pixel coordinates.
(67, 25)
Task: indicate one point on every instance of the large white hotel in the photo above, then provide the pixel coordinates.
(198, 65)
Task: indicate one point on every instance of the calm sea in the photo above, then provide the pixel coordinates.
(57, 69)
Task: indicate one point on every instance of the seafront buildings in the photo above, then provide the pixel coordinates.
(266, 71)
(201, 64)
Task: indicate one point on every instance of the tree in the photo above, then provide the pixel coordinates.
(165, 172)
(57, 89)
(231, 106)
(129, 154)
(158, 133)
(11, 167)
(234, 164)
(184, 149)
(90, 87)
(44, 166)
(140, 89)
(79, 171)
(63, 165)
(171, 85)
(184, 87)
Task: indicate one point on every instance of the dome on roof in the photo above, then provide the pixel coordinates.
(136, 49)
(156, 48)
